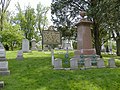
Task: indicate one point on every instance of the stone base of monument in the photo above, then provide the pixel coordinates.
(4, 68)
(92, 58)
(2, 59)
(1, 84)
(85, 52)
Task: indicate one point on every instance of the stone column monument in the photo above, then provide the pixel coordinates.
(84, 39)
(85, 52)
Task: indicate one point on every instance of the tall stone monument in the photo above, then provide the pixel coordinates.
(85, 52)
(84, 38)
(25, 45)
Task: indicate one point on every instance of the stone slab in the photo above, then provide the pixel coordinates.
(4, 65)
(1, 84)
(4, 73)
(58, 63)
(74, 63)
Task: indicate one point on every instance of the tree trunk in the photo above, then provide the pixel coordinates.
(97, 42)
(118, 47)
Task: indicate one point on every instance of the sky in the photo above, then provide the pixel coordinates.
(33, 4)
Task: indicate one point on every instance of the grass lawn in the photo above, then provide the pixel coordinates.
(36, 73)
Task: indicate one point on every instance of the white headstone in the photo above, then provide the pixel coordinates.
(25, 45)
(33, 44)
(100, 63)
(111, 63)
(20, 55)
(87, 62)
(58, 63)
(74, 63)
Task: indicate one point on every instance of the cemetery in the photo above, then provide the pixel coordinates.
(79, 49)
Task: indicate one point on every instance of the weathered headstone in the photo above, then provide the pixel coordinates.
(74, 63)
(25, 45)
(111, 63)
(67, 44)
(58, 63)
(100, 63)
(20, 55)
(87, 62)
(33, 41)
(2, 52)
(1, 84)
(4, 68)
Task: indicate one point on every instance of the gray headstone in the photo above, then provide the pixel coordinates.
(87, 62)
(33, 41)
(1, 84)
(20, 55)
(58, 63)
(2, 52)
(100, 63)
(111, 63)
(4, 68)
(25, 45)
(74, 63)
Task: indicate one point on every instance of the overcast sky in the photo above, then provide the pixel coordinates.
(33, 4)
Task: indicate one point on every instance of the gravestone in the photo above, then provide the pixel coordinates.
(58, 63)
(67, 44)
(25, 45)
(74, 63)
(87, 63)
(19, 55)
(1, 84)
(100, 63)
(111, 63)
(33, 41)
(4, 68)
(2, 52)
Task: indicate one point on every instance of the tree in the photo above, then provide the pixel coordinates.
(66, 12)
(26, 19)
(3, 8)
(11, 35)
(41, 19)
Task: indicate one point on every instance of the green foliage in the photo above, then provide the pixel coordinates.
(36, 73)
(11, 35)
